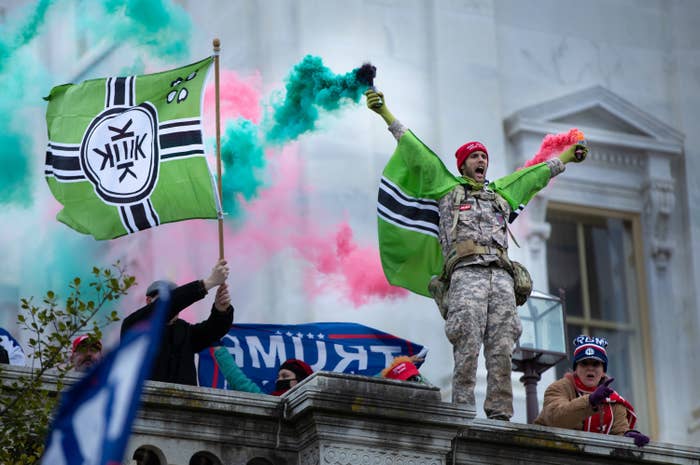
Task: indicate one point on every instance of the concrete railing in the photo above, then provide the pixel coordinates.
(338, 419)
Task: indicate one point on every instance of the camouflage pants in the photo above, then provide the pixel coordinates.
(482, 310)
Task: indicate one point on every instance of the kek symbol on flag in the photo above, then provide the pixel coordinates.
(126, 153)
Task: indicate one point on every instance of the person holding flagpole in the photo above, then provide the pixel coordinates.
(174, 362)
(430, 219)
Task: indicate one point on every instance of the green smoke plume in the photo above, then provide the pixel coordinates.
(310, 86)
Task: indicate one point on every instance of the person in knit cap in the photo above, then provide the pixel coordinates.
(290, 373)
(584, 400)
(476, 293)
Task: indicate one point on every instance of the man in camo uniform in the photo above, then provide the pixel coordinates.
(481, 305)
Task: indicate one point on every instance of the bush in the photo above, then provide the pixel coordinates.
(25, 404)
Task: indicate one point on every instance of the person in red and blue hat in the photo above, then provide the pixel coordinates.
(583, 400)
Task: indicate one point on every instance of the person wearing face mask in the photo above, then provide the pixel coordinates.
(583, 400)
(476, 293)
(290, 373)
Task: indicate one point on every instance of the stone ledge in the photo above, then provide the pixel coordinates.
(534, 444)
(336, 418)
(374, 397)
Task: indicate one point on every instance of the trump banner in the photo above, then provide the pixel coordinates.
(260, 349)
(127, 153)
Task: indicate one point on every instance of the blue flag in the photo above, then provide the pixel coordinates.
(15, 354)
(260, 349)
(94, 419)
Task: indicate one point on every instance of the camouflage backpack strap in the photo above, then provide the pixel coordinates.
(459, 195)
(439, 285)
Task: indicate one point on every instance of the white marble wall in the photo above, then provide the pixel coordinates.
(453, 70)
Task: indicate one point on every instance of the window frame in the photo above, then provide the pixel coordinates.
(642, 370)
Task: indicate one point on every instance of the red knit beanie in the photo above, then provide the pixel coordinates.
(467, 149)
(299, 367)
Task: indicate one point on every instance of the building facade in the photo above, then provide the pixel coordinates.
(618, 233)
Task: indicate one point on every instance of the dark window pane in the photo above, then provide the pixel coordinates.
(565, 365)
(607, 270)
(563, 270)
(619, 361)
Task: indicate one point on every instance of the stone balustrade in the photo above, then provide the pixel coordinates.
(339, 419)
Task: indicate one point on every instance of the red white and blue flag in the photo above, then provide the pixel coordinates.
(94, 419)
(260, 349)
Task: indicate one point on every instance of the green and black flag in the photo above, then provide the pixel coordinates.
(408, 222)
(127, 153)
(413, 181)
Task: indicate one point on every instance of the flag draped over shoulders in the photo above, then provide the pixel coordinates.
(412, 182)
(520, 187)
(127, 153)
(408, 216)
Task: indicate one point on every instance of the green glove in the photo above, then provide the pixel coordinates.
(377, 103)
(576, 153)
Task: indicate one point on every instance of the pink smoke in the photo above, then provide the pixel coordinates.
(336, 262)
(343, 266)
(554, 144)
(239, 98)
(272, 223)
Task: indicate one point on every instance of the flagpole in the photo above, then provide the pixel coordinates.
(217, 48)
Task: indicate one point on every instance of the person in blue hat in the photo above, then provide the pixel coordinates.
(583, 399)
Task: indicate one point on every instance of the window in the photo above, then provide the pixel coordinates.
(594, 256)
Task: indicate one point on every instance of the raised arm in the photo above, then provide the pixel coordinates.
(237, 380)
(377, 103)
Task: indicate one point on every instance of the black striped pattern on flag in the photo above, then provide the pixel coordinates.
(404, 211)
(120, 91)
(139, 216)
(63, 162)
(180, 138)
(514, 213)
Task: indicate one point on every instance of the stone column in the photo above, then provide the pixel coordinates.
(665, 312)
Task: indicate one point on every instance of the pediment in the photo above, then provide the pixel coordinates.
(602, 115)
(599, 117)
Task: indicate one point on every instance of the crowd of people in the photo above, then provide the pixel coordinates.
(476, 294)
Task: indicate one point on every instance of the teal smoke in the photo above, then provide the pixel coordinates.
(162, 27)
(15, 146)
(155, 28)
(243, 156)
(11, 41)
(310, 86)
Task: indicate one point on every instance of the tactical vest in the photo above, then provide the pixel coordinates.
(479, 227)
